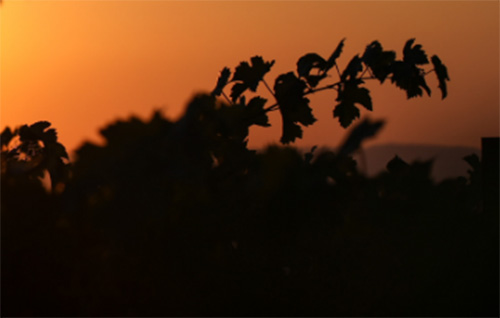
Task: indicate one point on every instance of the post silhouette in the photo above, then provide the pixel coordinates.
(490, 158)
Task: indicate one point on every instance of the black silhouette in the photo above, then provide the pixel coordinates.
(182, 219)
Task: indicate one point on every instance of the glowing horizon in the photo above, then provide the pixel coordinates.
(82, 65)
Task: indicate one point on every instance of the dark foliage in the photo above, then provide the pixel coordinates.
(294, 107)
(182, 219)
(290, 89)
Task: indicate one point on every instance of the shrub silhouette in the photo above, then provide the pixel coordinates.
(182, 219)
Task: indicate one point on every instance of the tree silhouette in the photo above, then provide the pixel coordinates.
(181, 218)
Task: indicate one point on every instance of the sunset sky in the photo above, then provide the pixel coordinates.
(84, 64)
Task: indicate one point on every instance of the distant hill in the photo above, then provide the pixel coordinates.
(448, 161)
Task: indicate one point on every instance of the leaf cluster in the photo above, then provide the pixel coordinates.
(32, 150)
(291, 89)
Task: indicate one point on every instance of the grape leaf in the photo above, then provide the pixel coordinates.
(442, 75)
(352, 69)
(409, 78)
(250, 75)
(332, 60)
(255, 112)
(221, 81)
(378, 60)
(237, 90)
(306, 63)
(349, 94)
(290, 131)
(309, 61)
(346, 112)
(407, 75)
(414, 54)
(293, 106)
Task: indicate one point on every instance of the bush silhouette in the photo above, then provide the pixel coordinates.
(180, 218)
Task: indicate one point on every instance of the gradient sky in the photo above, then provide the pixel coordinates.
(83, 64)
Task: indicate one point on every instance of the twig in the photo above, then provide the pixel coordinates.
(312, 91)
(338, 71)
(269, 89)
(227, 98)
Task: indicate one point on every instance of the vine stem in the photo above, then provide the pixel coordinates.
(371, 73)
(312, 91)
(271, 108)
(227, 98)
(269, 89)
(363, 73)
(367, 69)
(338, 70)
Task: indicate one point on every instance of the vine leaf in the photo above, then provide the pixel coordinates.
(221, 81)
(352, 69)
(378, 60)
(346, 112)
(291, 131)
(309, 61)
(409, 78)
(306, 63)
(249, 75)
(414, 54)
(237, 90)
(293, 106)
(349, 94)
(442, 75)
(407, 75)
(332, 60)
(255, 112)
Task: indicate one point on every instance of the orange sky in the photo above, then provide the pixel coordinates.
(83, 64)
